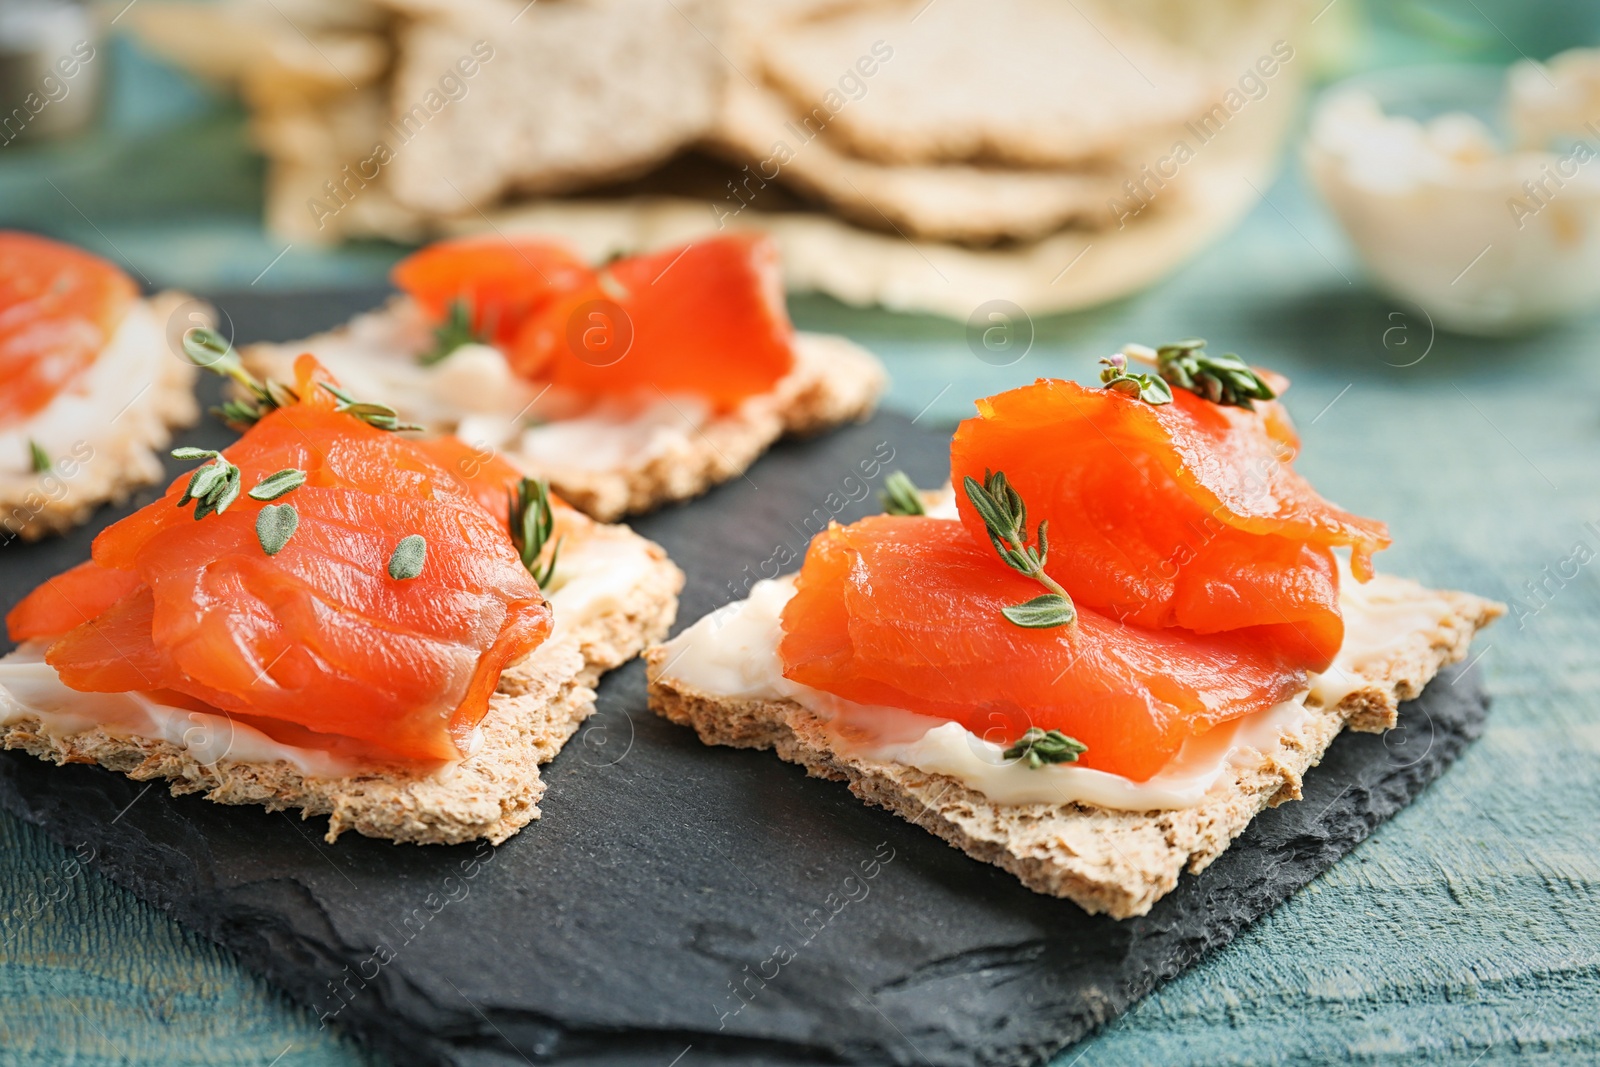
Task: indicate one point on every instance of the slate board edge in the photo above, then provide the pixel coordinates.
(268, 946)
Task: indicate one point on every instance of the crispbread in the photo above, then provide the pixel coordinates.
(1027, 82)
(492, 794)
(551, 110)
(948, 201)
(1064, 271)
(1118, 863)
(126, 460)
(833, 381)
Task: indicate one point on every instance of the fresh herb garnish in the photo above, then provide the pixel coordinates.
(38, 456)
(213, 486)
(454, 332)
(382, 416)
(1146, 387)
(532, 523)
(1224, 379)
(900, 496)
(275, 524)
(1039, 747)
(207, 348)
(1006, 517)
(275, 485)
(409, 556)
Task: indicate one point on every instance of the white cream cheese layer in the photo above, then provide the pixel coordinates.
(733, 653)
(474, 394)
(593, 576)
(82, 418)
(379, 354)
(597, 568)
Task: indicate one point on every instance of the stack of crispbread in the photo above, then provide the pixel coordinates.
(916, 154)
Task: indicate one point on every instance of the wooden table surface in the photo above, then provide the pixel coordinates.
(1467, 930)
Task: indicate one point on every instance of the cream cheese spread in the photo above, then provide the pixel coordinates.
(81, 419)
(475, 394)
(733, 653)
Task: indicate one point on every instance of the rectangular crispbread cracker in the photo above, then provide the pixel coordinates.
(1026, 83)
(1117, 863)
(834, 381)
(960, 202)
(492, 794)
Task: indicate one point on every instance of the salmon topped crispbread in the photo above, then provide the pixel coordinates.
(1121, 636)
(389, 631)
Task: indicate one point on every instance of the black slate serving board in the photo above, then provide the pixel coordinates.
(681, 901)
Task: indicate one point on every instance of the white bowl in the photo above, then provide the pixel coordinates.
(1487, 238)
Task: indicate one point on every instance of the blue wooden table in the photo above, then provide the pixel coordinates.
(1466, 931)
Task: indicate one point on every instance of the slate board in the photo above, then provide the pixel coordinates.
(683, 901)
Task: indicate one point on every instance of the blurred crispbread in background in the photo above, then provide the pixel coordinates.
(917, 155)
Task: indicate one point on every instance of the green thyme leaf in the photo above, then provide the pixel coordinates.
(38, 456)
(532, 522)
(381, 416)
(900, 496)
(1039, 747)
(275, 485)
(212, 486)
(1146, 387)
(1006, 518)
(207, 348)
(240, 413)
(409, 556)
(455, 332)
(205, 481)
(1225, 379)
(275, 524)
(1042, 612)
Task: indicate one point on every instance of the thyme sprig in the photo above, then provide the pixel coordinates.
(1006, 517)
(532, 522)
(1039, 747)
(453, 333)
(213, 486)
(1140, 386)
(1222, 379)
(382, 416)
(900, 495)
(207, 348)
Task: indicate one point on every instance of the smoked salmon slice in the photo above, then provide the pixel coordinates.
(706, 319)
(482, 472)
(500, 280)
(321, 636)
(69, 599)
(1188, 514)
(59, 307)
(904, 611)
